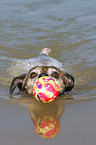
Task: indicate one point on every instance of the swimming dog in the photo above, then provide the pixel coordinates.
(43, 65)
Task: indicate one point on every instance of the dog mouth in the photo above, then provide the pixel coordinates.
(45, 88)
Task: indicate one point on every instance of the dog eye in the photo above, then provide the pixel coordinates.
(33, 75)
(55, 75)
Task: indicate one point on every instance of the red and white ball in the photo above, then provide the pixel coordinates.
(46, 89)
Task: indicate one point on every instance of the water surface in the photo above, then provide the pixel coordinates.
(69, 29)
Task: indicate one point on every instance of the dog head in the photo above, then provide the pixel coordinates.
(25, 82)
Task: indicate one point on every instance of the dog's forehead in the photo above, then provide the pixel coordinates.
(52, 69)
(44, 69)
(36, 69)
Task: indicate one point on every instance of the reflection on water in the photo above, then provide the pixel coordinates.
(46, 118)
(77, 123)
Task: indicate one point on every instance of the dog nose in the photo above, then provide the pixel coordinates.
(42, 74)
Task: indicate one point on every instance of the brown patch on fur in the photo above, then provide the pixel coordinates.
(44, 69)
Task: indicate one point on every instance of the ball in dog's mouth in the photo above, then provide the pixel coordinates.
(46, 89)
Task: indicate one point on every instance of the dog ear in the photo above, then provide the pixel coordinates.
(17, 82)
(69, 82)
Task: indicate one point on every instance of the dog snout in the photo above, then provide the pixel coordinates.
(42, 74)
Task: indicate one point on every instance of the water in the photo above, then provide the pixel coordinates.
(67, 27)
